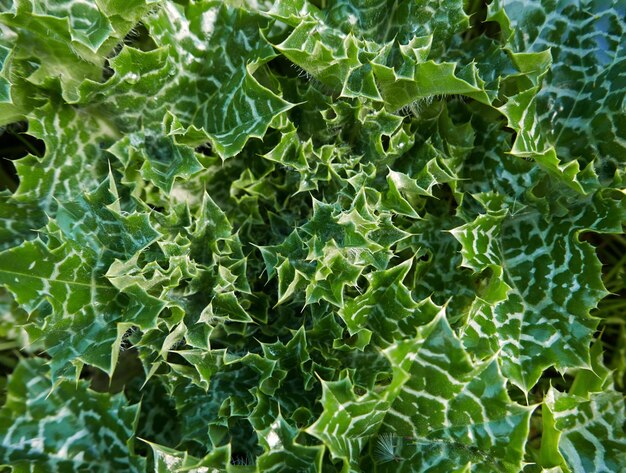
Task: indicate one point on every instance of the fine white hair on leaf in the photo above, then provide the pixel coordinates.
(388, 448)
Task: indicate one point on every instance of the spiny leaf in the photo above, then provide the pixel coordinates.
(451, 412)
(74, 160)
(578, 107)
(62, 278)
(554, 282)
(65, 426)
(225, 101)
(66, 41)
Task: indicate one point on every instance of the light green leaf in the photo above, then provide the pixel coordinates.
(387, 308)
(169, 460)
(67, 41)
(158, 158)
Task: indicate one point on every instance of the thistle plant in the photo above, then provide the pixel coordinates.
(312, 236)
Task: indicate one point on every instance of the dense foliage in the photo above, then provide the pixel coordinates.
(312, 235)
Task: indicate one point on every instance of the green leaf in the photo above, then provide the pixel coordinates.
(578, 107)
(348, 420)
(158, 158)
(583, 429)
(169, 460)
(10, 111)
(590, 430)
(386, 308)
(437, 272)
(284, 454)
(65, 426)
(313, 235)
(450, 412)
(426, 80)
(74, 159)
(62, 278)
(553, 280)
(67, 41)
(203, 54)
(338, 51)
(20, 220)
